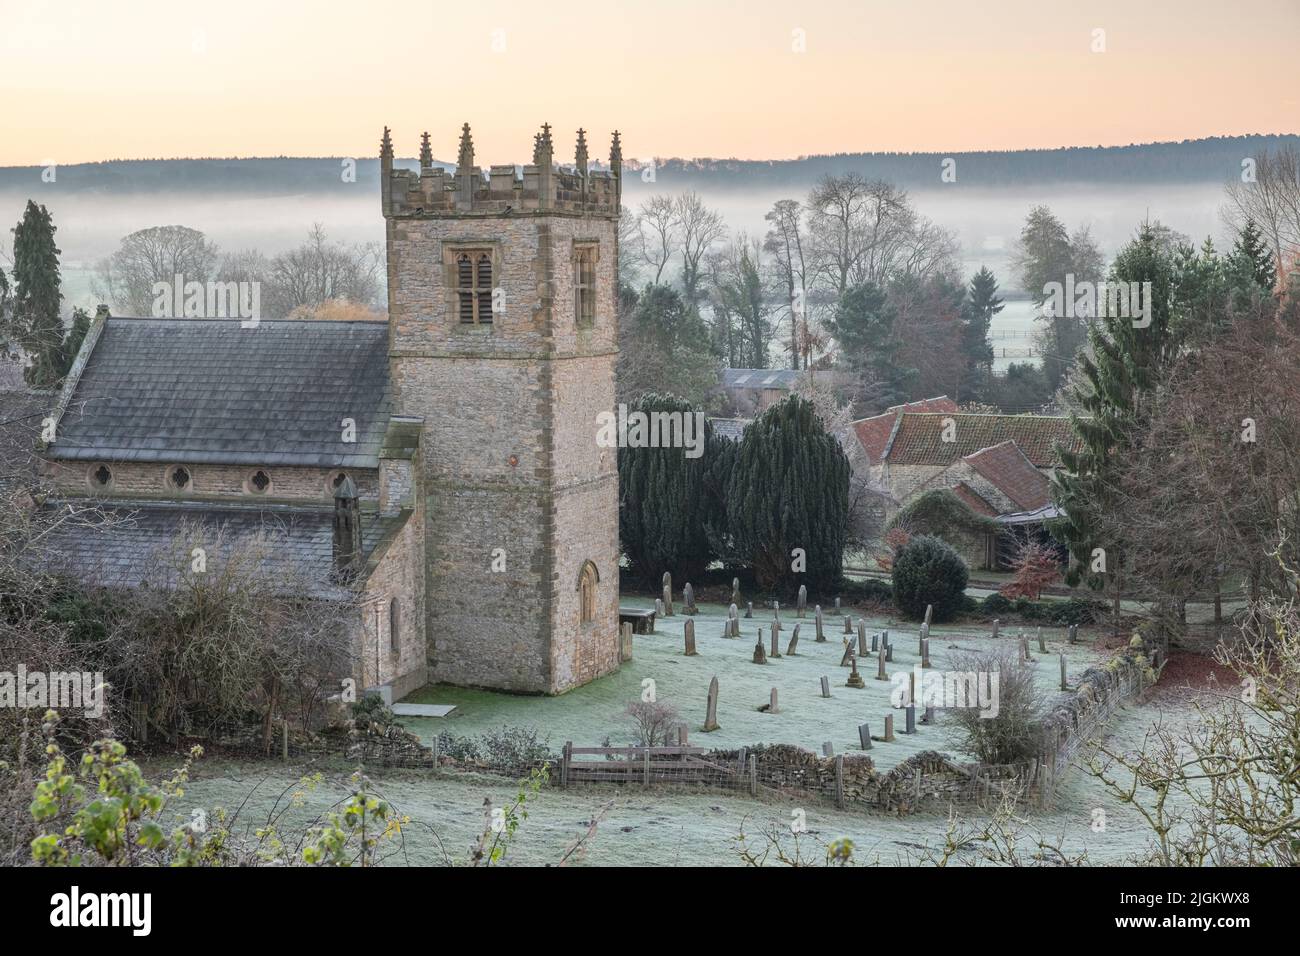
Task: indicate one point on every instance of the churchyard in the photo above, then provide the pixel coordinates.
(590, 715)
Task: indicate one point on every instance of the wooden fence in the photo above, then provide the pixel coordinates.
(644, 766)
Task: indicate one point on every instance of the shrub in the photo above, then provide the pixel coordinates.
(996, 604)
(1010, 734)
(1036, 567)
(928, 571)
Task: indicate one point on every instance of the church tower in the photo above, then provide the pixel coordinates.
(503, 338)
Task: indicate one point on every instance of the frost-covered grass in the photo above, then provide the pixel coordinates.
(660, 826)
(589, 714)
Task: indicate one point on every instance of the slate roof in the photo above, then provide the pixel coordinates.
(1007, 469)
(783, 378)
(210, 391)
(123, 551)
(918, 440)
(873, 433)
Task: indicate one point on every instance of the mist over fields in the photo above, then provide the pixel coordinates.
(269, 204)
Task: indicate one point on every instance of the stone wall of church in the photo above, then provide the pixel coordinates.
(149, 480)
(397, 576)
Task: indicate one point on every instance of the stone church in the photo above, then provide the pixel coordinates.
(437, 473)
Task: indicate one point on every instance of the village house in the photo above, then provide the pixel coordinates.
(998, 466)
(438, 469)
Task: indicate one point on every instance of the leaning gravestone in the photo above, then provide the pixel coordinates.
(668, 594)
(864, 736)
(929, 614)
(711, 713)
(848, 652)
(689, 631)
(826, 687)
(794, 642)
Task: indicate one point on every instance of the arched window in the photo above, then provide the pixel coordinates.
(588, 578)
(394, 626)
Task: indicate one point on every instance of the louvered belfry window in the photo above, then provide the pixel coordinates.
(474, 287)
(584, 284)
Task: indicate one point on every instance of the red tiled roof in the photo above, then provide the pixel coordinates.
(973, 501)
(918, 440)
(873, 433)
(1008, 470)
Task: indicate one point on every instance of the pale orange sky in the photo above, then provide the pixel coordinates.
(85, 80)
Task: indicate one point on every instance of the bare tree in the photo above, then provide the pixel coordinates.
(790, 246)
(1272, 200)
(320, 269)
(658, 234)
(126, 279)
(700, 229)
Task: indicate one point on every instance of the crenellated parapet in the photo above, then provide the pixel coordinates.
(470, 190)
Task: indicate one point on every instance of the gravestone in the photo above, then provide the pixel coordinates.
(837, 604)
(771, 706)
(855, 679)
(801, 603)
(862, 638)
(875, 643)
(922, 636)
(1065, 685)
(625, 642)
(711, 711)
(928, 716)
(909, 724)
(880, 668)
(683, 738)
(817, 620)
(668, 595)
(848, 624)
(828, 750)
(688, 598)
(1073, 633)
(925, 654)
(889, 729)
(735, 591)
(929, 615)
(760, 655)
(794, 642)
(848, 652)
(826, 687)
(659, 607)
(776, 630)
(889, 653)
(864, 736)
(689, 631)
(1042, 641)
(749, 609)
(1024, 649)
(996, 626)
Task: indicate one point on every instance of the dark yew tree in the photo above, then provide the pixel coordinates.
(664, 510)
(788, 494)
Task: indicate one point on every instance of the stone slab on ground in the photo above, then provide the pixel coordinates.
(423, 710)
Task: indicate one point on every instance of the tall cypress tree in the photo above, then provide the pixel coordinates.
(1126, 363)
(36, 298)
(788, 490)
(982, 303)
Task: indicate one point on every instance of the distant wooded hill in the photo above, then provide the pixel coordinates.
(1216, 159)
